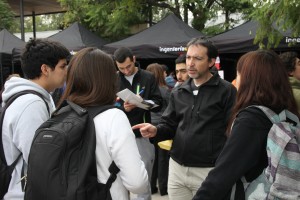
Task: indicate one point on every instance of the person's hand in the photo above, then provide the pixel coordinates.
(147, 130)
(128, 106)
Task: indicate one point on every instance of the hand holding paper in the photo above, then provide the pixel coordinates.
(130, 97)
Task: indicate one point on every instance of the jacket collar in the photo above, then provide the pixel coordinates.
(137, 73)
(213, 81)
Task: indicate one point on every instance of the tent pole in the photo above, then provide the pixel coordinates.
(1, 71)
(22, 20)
(12, 67)
(33, 25)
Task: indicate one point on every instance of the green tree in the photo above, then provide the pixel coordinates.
(201, 10)
(42, 22)
(6, 16)
(111, 18)
(229, 7)
(125, 14)
(284, 14)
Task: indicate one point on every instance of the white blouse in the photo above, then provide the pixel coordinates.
(115, 141)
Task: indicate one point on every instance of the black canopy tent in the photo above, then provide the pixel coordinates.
(77, 37)
(74, 38)
(164, 40)
(7, 43)
(239, 40)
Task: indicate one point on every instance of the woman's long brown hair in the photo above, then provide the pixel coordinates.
(264, 81)
(158, 72)
(91, 78)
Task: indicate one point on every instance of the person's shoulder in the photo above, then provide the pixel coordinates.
(226, 84)
(112, 113)
(145, 73)
(254, 116)
(164, 90)
(251, 111)
(112, 110)
(184, 86)
(27, 99)
(113, 117)
(146, 76)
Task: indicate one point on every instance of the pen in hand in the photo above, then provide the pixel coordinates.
(141, 92)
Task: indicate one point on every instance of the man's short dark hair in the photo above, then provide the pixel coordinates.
(122, 53)
(180, 59)
(289, 60)
(41, 51)
(212, 51)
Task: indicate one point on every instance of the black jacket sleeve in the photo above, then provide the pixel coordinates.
(243, 155)
(167, 126)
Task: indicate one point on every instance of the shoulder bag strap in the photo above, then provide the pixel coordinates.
(114, 170)
(7, 104)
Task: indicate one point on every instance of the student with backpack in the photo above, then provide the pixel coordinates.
(44, 64)
(242, 170)
(90, 86)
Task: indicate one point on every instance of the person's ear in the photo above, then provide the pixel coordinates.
(45, 69)
(134, 59)
(212, 62)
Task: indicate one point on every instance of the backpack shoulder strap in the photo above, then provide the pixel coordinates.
(94, 111)
(274, 118)
(38, 94)
(281, 117)
(285, 121)
(7, 104)
(113, 169)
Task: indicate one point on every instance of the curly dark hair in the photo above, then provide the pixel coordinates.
(41, 51)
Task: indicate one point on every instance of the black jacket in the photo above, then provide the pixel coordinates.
(244, 155)
(197, 123)
(147, 82)
(165, 93)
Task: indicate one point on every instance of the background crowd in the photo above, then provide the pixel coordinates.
(218, 136)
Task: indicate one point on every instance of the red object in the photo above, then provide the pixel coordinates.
(218, 63)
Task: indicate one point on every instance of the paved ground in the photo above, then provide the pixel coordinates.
(158, 197)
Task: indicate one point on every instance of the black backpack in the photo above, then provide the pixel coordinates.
(62, 163)
(5, 170)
